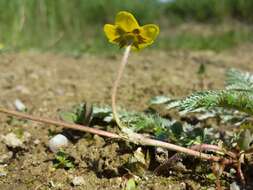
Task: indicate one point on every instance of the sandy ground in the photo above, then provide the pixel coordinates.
(47, 82)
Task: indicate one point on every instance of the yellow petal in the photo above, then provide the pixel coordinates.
(126, 21)
(149, 32)
(141, 46)
(110, 32)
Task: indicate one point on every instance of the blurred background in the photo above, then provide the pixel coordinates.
(77, 25)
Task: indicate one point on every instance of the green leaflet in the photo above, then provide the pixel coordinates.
(229, 99)
(238, 80)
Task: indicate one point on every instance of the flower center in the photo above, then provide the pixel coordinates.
(136, 31)
(129, 38)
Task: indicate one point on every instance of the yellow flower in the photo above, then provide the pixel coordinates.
(126, 31)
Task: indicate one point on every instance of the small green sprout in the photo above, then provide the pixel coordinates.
(131, 185)
(16, 122)
(201, 69)
(19, 132)
(63, 160)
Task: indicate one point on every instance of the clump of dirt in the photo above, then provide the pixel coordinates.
(47, 82)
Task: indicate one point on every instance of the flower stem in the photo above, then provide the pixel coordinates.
(116, 84)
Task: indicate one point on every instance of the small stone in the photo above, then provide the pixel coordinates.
(183, 185)
(22, 89)
(118, 180)
(11, 140)
(234, 186)
(57, 142)
(26, 136)
(19, 105)
(4, 158)
(161, 154)
(3, 171)
(36, 141)
(78, 181)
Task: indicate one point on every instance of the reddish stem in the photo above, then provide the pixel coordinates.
(213, 148)
(63, 124)
(131, 136)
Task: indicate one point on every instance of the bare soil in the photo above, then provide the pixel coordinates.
(47, 82)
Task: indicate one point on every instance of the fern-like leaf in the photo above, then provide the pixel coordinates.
(238, 80)
(229, 99)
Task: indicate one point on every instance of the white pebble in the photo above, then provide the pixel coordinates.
(20, 106)
(234, 186)
(3, 171)
(11, 140)
(36, 141)
(77, 181)
(57, 142)
(4, 158)
(26, 137)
